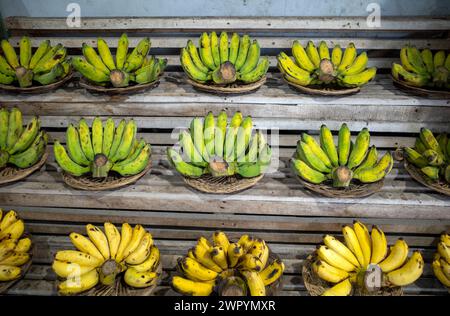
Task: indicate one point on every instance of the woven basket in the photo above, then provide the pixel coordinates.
(38, 89)
(324, 91)
(233, 88)
(4, 286)
(316, 286)
(119, 288)
(221, 185)
(112, 181)
(273, 289)
(423, 92)
(12, 174)
(438, 186)
(114, 91)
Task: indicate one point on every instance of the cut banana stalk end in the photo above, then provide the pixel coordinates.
(100, 166)
(24, 76)
(119, 78)
(232, 286)
(326, 71)
(224, 74)
(109, 271)
(342, 177)
(218, 167)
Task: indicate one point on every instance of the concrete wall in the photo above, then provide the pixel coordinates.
(57, 8)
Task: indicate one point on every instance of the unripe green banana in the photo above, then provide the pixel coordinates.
(5, 68)
(252, 58)
(32, 154)
(74, 146)
(244, 46)
(108, 136)
(327, 144)
(307, 173)
(53, 57)
(126, 144)
(91, 56)
(182, 167)
(85, 139)
(427, 57)
(243, 138)
(257, 73)
(27, 137)
(14, 127)
(433, 157)
(66, 163)
(4, 119)
(359, 151)
(138, 54)
(431, 172)
(215, 51)
(208, 133)
(428, 139)
(105, 54)
(97, 135)
(190, 151)
(5, 79)
(89, 71)
(25, 51)
(230, 137)
(10, 53)
(377, 172)
(196, 130)
(195, 57)
(252, 154)
(223, 47)
(220, 133)
(234, 48)
(122, 50)
(39, 53)
(135, 166)
(249, 170)
(415, 158)
(205, 51)
(117, 138)
(344, 144)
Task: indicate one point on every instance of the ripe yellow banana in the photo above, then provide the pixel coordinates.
(396, 258)
(306, 154)
(313, 54)
(360, 78)
(272, 272)
(219, 256)
(13, 231)
(348, 57)
(9, 273)
(328, 146)
(316, 149)
(255, 283)
(198, 271)
(336, 56)
(445, 238)
(324, 52)
(105, 54)
(193, 288)
(78, 257)
(125, 238)
(379, 245)
(99, 239)
(205, 51)
(97, 135)
(138, 279)
(23, 245)
(291, 70)
(85, 139)
(343, 288)
(70, 269)
(377, 172)
(351, 240)
(136, 237)
(444, 251)
(334, 244)
(122, 50)
(364, 241)
(333, 258)
(438, 272)
(150, 263)
(91, 56)
(250, 262)
(203, 256)
(358, 65)
(301, 57)
(83, 244)
(235, 252)
(79, 284)
(344, 139)
(10, 218)
(408, 273)
(246, 242)
(113, 236)
(142, 251)
(260, 250)
(328, 272)
(16, 259)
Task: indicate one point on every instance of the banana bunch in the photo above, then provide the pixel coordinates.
(48, 64)
(422, 68)
(208, 264)
(13, 248)
(345, 264)
(441, 261)
(318, 66)
(317, 163)
(431, 155)
(103, 69)
(21, 146)
(102, 256)
(224, 61)
(102, 148)
(214, 146)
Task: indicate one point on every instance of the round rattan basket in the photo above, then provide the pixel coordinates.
(324, 91)
(12, 174)
(112, 181)
(91, 87)
(423, 92)
(38, 89)
(222, 185)
(316, 286)
(233, 88)
(438, 186)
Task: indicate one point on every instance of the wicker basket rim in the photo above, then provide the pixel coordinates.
(420, 90)
(39, 89)
(323, 91)
(134, 88)
(206, 185)
(19, 174)
(242, 88)
(417, 175)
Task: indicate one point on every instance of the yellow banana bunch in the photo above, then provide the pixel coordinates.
(208, 264)
(214, 146)
(344, 264)
(102, 149)
(313, 65)
(21, 146)
(223, 59)
(431, 155)
(105, 255)
(14, 246)
(441, 260)
(103, 69)
(45, 66)
(319, 162)
(422, 68)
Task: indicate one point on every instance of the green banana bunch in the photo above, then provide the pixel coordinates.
(318, 162)
(47, 65)
(220, 148)
(102, 148)
(431, 155)
(20, 146)
(223, 60)
(104, 69)
(313, 65)
(422, 68)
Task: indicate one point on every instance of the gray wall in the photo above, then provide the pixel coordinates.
(57, 8)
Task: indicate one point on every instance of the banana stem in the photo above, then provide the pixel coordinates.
(225, 74)
(326, 71)
(24, 76)
(109, 271)
(218, 167)
(119, 78)
(4, 157)
(342, 177)
(232, 286)
(100, 166)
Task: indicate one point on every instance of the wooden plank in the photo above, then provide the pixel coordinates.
(284, 43)
(185, 24)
